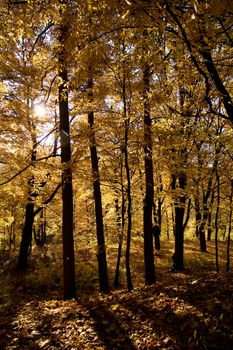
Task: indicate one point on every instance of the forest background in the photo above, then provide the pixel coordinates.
(115, 135)
(157, 79)
(116, 165)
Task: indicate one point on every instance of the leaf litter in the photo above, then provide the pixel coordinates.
(195, 312)
(188, 310)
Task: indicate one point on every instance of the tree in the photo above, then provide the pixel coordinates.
(67, 188)
(149, 196)
(101, 253)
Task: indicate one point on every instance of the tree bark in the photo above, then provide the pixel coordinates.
(101, 254)
(120, 228)
(26, 240)
(216, 221)
(67, 186)
(178, 256)
(229, 229)
(202, 236)
(149, 197)
(212, 70)
(129, 198)
(121, 225)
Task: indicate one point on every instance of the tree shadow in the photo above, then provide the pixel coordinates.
(181, 329)
(109, 328)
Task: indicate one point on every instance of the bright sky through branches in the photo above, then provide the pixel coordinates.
(40, 110)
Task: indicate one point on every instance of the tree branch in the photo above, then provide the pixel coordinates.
(48, 200)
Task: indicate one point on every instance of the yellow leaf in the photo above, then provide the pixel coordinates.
(114, 307)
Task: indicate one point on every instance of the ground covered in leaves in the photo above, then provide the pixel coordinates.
(192, 309)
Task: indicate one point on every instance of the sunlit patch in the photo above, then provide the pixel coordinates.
(40, 110)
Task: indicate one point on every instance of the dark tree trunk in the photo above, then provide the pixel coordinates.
(67, 191)
(204, 219)
(209, 228)
(168, 225)
(121, 225)
(198, 216)
(156, 232)
(178, 256)
(209, 220)
(129, 199)
(202, 236)
(12, 229)
(101, 254)
(157, 224)
(149, 197)
(216, 221)
(120, 241)
(129, 216)
(229, 229)
(26, 240)
(67, 186)
(225, 96)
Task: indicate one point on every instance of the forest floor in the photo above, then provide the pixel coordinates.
(189, 310)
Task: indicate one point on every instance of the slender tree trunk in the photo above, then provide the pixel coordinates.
(26, 241)
(209, 228)
(67, 185)
(157, 224)
(198, 216)
(12, 228)
(129, 216)
(129, 198)
(206, 208)
(229, 229)
(168, 224)
(120, 242)
(202, 236)
(121, 222)
(216, 221)
(149, 197)
(101, 254)
(178, 256)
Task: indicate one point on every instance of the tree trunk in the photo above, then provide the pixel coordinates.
(209, 228)
(149, 197)
(223, 92)
(216, 221)
(198, 216)
(101, 254)
(202, 237)
(120, 242)
(206, 209)
(168, 224)
(157, 224)
(129, 216)
(67, 191)
(121, 225)
(12, 228)
(26, 240)
(178, 256)
(129, 198)
(67, 186)
(229, 229)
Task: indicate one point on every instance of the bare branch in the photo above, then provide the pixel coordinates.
(48, 200)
